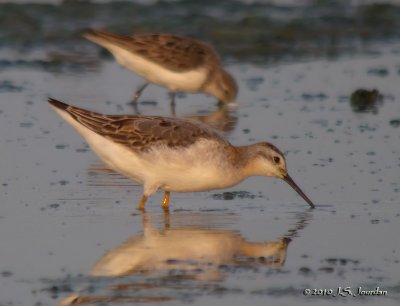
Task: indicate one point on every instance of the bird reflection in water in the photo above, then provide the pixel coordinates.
(224, 119)
(197, 253)
(181, 258)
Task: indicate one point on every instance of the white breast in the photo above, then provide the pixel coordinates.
(199, 167)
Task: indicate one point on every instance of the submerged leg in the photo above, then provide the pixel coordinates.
(142, 202)
(166, 220)
(165, 203)
(138, 92)
(173, 94)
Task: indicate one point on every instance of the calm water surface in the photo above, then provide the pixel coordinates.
(70, 234)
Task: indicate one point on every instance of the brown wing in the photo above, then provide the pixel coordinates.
(140, 133)
(174, 52)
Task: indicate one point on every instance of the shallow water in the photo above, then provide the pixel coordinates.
(61, 210)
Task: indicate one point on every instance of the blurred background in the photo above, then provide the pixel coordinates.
(251, 31)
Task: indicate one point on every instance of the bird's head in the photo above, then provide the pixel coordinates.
(223, 87)
(268, 160)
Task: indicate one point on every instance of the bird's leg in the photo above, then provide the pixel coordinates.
(173, 94)
(138, 92)
(142, 202)
(166, 220)
(165, 203)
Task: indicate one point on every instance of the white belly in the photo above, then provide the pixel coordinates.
(195, 168)
(187, 170)
(190, 81)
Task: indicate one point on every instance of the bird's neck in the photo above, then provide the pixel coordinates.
(248, 161)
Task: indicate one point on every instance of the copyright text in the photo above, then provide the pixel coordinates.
(344, 292)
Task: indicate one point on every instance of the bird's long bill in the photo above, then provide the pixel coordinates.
(290, 181)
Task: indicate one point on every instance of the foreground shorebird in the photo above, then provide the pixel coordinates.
(173, 154)
(177, 63)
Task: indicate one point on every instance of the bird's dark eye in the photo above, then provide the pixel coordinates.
(277, 159)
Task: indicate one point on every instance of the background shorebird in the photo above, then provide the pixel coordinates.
(177, 63)
(173, 154)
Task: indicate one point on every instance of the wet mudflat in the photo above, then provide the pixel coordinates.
(61, 210)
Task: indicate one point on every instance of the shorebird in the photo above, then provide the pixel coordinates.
(177, 63)
(173, 154)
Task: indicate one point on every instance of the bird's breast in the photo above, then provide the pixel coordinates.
(201, 166)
